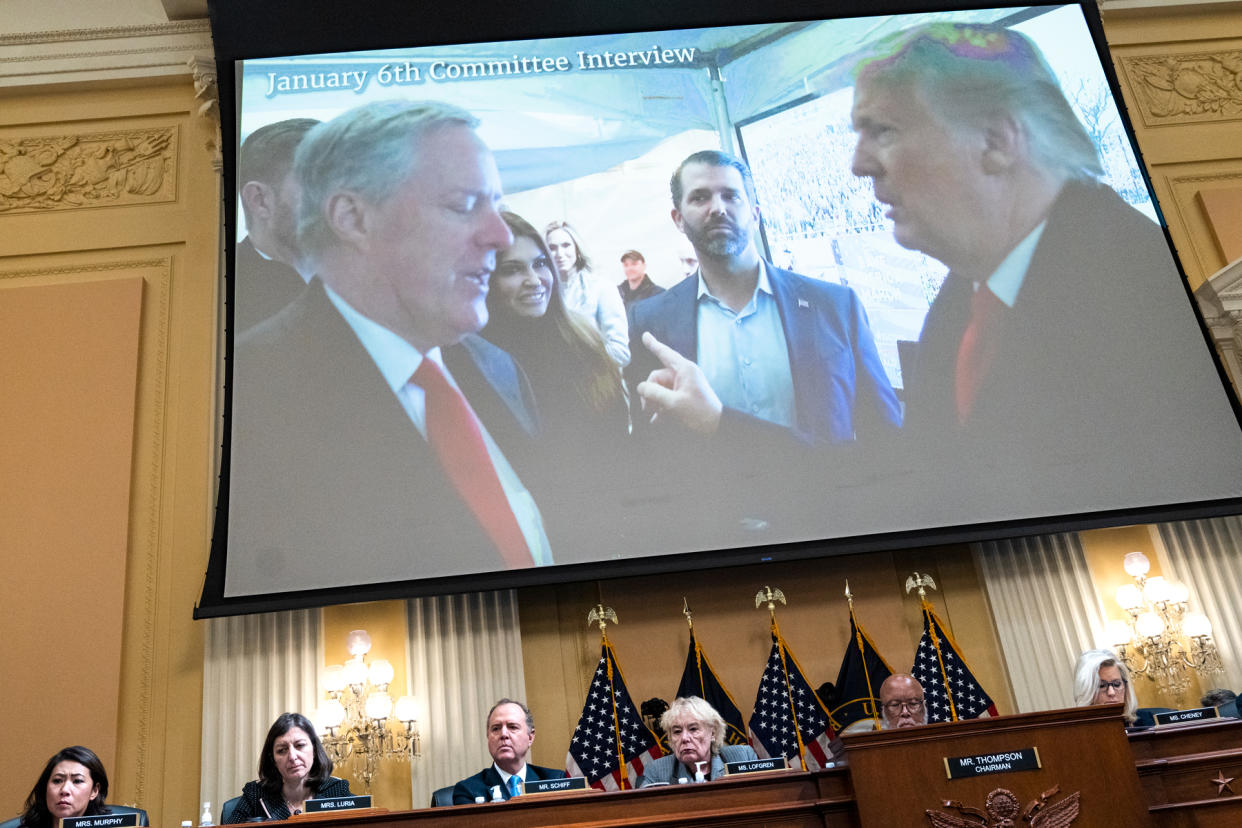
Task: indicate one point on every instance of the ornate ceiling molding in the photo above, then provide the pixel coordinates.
(1188, 87)
(114, 53)
(59, 172)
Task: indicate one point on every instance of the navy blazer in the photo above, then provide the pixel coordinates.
(331, 484)
(261, 287)
(840, 388)
(481, 784)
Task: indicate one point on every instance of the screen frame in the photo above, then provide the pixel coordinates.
(245, 29)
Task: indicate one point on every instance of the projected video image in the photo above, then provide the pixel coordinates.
(575, 301)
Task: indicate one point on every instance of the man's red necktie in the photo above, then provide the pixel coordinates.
(977, 350)
(454, 434)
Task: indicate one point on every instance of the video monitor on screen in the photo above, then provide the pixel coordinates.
(526, 311)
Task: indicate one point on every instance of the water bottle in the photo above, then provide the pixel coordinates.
(206, 819)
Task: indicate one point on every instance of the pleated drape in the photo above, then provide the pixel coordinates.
(465, 654)
(255, 668)
(1206, 556)
(1046, 612)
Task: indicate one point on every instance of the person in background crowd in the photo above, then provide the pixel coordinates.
(651, 710)
(586, 293)
(637, 285)
(293, 767)
(1217, 697)
(577, 389)
(1102, 678)
(266, 277)
(686, 257)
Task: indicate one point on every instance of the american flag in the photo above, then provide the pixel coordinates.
(951, 689)
(785, 699)
(607, 711)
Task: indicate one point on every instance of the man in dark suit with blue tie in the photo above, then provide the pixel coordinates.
(510, 733)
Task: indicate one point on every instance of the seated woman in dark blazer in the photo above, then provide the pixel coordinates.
(73, 783)
(293, 768)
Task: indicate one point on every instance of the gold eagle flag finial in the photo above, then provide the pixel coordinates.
(922, 583)
(770, 596)
(602, 616)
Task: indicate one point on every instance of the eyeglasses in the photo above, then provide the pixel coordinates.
(1115, 684)
(896, 706)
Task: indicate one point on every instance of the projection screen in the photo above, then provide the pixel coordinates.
(841, 425)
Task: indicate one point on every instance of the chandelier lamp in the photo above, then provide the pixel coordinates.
(1160, 640)
(358, 720)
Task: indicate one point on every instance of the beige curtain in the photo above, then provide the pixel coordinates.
(255, 668)
(465, 654)
(1046, 612)
(1206, 556)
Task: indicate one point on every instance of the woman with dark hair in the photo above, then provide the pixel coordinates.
(293, 768)
(584, 292)
(73, 783)
(577, 387)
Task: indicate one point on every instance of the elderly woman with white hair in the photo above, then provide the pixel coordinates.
(696, 734)
(1102, 678)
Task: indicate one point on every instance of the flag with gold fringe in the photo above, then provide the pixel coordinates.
(862, 672)
(949, 685)
(789, 720)
(699, 679)
(611, 745)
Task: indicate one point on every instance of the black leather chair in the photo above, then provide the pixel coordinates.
(226, 810)
(115, 809)
(440, 798)
(1146, 716)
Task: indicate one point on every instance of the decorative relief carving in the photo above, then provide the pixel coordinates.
(208, 97)
(1199, 87)
(61, 172)
(1002, 809)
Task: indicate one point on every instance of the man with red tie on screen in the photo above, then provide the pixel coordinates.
(372, 429)
(1037, 355)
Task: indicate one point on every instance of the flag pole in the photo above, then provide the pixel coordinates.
(771, 596)
(694, 642)
(602, 615)
(923, 581)
(849, 597)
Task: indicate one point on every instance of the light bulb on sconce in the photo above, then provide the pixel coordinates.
(1136, 564)
(358, 643)
(381, 673)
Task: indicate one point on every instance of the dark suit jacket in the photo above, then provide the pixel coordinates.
(753, 481)
(1100, 314)
(330, 481)
(256, 803)
(465, 791)
(840, 388)
(261, 287)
